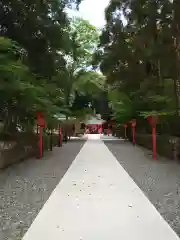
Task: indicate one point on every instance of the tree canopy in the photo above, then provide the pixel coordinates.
(45, 61)
(139, 55)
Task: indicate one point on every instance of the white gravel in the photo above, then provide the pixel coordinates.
(160, 180)
(25, 187)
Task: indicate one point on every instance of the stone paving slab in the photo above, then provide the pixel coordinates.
(159, 180)
(25, 187)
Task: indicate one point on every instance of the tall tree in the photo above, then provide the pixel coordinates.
(135, 43)
(84, 39)
(33, 48)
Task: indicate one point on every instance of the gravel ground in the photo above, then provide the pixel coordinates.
(159, 180)
(25, 187)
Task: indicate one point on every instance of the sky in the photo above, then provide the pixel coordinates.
(92, 10)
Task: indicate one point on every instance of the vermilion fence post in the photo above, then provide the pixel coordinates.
(108, 132)
(154, 142)
(41, 123)
(133, 124)
(153, 121)
(101, 129)
(41, 141)
(133, 132)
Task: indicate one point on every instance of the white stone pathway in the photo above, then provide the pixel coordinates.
(98, 200)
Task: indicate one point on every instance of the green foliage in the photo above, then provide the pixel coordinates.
(121, 106)
(21, 94)
(44, 59)
(32, 60)
(139, 55)
(155, 113)
(84, 39)
(89, 83)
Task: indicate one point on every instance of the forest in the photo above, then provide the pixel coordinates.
(50, 62)
(45, 63)
(139, 53)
